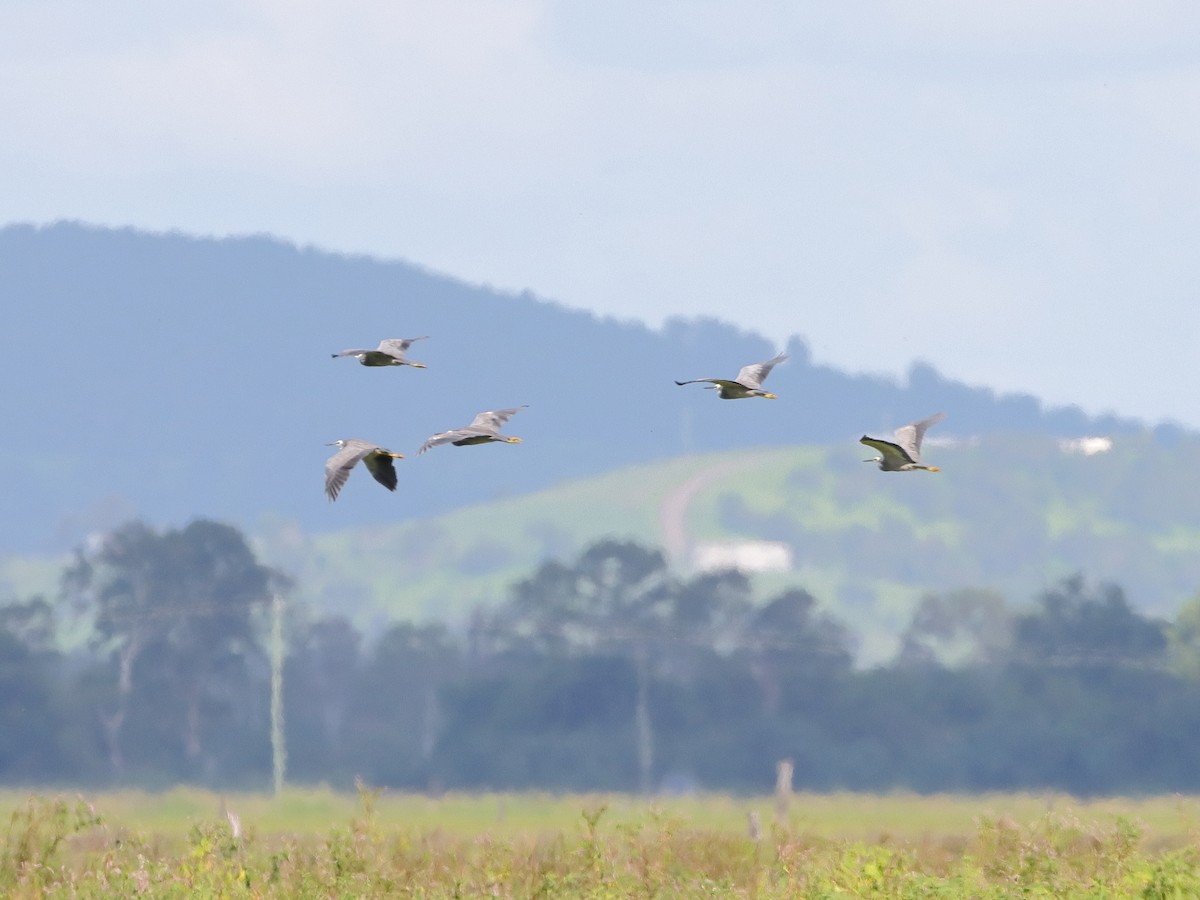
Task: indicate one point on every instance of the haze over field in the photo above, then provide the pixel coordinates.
(1004, 190)
(985, 211)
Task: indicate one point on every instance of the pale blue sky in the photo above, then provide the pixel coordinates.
(1008, 190)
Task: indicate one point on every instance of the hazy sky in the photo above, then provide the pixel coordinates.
(1008, 190)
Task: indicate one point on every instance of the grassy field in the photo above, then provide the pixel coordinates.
(317, 843)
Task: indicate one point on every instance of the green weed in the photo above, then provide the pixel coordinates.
(599, 847)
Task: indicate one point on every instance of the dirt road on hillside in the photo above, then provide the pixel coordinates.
(672, 514)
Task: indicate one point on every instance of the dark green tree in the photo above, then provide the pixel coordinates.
(33, 713)
(618, 599)
(794, 651)
(321, 674)
(618, 615)
(1074, 625)
(1183, 640)
(398, 704)
(958, 628)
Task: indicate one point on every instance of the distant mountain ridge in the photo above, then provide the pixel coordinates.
(168, 377)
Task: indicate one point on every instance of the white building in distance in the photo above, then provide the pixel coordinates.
(1086, 446)
(745, 556)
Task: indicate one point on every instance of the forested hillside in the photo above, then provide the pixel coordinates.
(164, 376)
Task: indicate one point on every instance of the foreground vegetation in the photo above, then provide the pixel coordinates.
(316, 843)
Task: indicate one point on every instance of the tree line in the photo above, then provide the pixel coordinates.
(606, 672)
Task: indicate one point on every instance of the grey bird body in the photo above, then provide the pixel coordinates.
(903, 454)
(379, 463)
(748, 382)
(484, 429)
(390, 352)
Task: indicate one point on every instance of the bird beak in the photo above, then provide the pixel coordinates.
(933, 469)
(418, 365)
(770, 397)
(513, 440)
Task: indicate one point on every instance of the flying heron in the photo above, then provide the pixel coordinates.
(484, 429)
(747, 384)
(389, 353)
(350, 452)
(905, 454)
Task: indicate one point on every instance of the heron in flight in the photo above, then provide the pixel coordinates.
(350, 452)
(390, 352)
(747, 384)
(904, 454)
(484, 429)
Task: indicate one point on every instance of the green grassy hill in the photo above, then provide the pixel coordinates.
(1009, 515)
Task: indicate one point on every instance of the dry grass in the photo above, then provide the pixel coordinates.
(323, 844)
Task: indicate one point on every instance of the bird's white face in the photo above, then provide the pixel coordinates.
(338, 443)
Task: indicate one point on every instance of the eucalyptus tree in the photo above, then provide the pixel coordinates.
(176, 617)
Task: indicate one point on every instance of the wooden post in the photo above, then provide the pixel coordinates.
(643, 726)
(278, 748)
(783, 788)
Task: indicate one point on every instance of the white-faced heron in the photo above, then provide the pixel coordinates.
(350, 452)
(484, 429)
(747, 384)
(389, 353)
(903, 455)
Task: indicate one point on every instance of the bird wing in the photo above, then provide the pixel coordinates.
(753, 376)
(382, 466)
(398, 346)
(698, 380)
(338, 466)
(492, 419)
(910, 436)
(445, 437)
(352, 352)
(893, 453)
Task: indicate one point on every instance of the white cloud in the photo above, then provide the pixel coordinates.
(993, 187)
